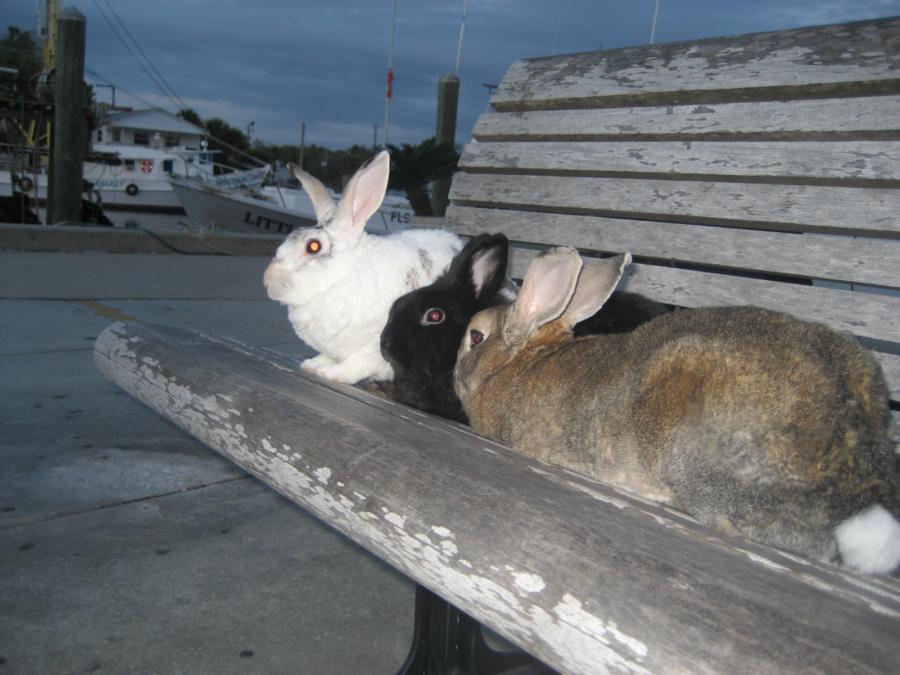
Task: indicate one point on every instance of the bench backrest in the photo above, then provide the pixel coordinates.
(760, 169)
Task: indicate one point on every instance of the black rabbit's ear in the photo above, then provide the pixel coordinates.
(486, 265)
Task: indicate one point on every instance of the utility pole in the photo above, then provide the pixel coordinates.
(447, 104)
(302, 142)
(67, 152)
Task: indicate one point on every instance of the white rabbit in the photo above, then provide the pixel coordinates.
(339, 282)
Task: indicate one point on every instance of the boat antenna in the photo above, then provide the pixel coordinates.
(462, 29)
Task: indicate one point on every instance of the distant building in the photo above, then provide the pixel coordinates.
(152, 128)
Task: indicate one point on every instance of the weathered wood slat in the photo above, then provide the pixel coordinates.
(789, 207)
(801, 161)
(852, 260)
(863, 314)
(890, 365)
(855, 58)
(877, 116)
(588, 579)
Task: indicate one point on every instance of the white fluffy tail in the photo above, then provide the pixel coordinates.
(869, 542)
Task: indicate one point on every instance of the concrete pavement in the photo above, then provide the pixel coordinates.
(128, 547)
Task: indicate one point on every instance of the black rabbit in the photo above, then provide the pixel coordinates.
(425, 326)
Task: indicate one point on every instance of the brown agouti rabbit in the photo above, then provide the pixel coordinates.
(752, 421)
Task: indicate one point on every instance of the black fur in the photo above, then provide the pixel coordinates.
(423, 356)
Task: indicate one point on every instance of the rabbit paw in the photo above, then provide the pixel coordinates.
(350, 370)
(317, 364)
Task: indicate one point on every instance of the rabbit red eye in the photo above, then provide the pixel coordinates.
(475, 337)
(313, 246)
(433, 316)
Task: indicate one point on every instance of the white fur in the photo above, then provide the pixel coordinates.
(339, 299)
(869, 542)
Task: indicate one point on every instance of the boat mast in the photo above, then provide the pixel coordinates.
(390, 76)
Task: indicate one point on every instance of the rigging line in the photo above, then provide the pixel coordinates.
(146, 58)
(131, 51)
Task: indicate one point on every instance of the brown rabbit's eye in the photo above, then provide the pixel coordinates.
(313, 246)
(433, 316)
(475, 337)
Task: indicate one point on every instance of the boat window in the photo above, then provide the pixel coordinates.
(141, 138)
(172, 139)
(168, 165)
(99, 135)
(117, 135)
(129, 165)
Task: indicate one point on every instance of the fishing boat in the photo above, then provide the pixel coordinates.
(268, 210)
(133, 154)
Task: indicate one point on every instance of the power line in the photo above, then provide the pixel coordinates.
(131, 51)
(146, 58)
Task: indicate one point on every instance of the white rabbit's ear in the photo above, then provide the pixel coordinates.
(546, 291)
(597, 281)
(319, 195)
(363, 196)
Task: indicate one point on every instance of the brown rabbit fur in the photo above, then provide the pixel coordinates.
(752, 421)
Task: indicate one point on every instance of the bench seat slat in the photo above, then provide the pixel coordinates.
(843, 259)
(865, 314)
(875, 116)
(764, 66)
(763, 160)
(838, 210)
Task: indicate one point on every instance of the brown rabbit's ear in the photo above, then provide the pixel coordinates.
(546, 290)
(597, 281)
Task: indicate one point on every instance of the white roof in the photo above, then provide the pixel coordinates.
(153, 119)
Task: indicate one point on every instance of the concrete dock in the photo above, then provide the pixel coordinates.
(126, 546)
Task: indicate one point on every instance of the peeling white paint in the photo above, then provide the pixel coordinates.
(765, 562)
(599, 496)
(570, 611)
(367, 515)
(441, 531)
(395, 519)
(323, 475)
(361, 497)
(530, 583)
(449, 548)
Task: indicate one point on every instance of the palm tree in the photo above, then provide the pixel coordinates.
(414, 166)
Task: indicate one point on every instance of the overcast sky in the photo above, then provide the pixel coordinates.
(277, 62)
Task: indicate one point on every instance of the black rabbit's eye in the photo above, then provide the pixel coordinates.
(313, 246)
(433, 317)
(475, 337)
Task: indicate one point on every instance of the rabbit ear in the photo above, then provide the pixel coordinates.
(482, 265)
(546, 290)
(597, 281)
(362, 196)
(319, 195)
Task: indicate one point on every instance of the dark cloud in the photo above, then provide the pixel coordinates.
(280, 62)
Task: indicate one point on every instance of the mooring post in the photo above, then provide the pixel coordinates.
(64, 194)
(448, 99)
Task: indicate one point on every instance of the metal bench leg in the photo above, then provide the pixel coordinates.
(446, 641)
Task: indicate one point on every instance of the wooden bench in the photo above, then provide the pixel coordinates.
(760, 169)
